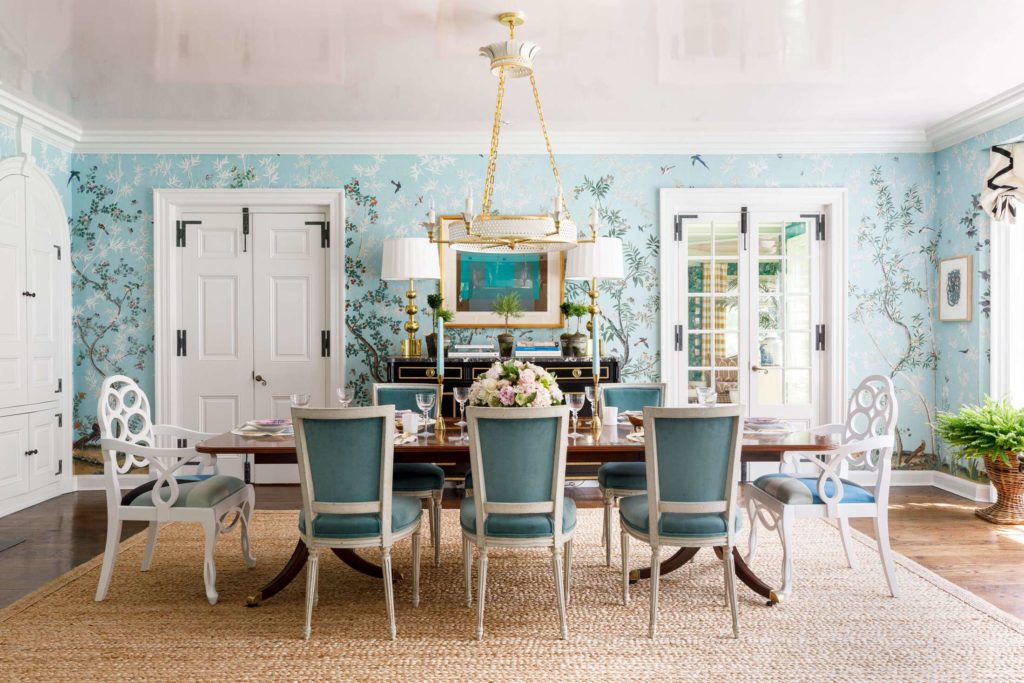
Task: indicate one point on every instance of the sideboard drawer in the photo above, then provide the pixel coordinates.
(418, 373)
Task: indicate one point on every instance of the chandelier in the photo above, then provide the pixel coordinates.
(505, 233)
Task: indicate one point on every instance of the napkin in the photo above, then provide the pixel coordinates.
(638, 437)
(404, 438)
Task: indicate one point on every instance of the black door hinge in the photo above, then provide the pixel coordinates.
(60, 468)
(819, 337)
(325, 232)
(60, 386)
(60, 419)
(325, 343)
(245, 229)
(819, 225)
(679, 338)
(182, 346)
(679, 225)
(743, 225)
(179, 229)
(57, 247)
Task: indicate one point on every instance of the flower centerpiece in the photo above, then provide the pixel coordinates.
(515, 384)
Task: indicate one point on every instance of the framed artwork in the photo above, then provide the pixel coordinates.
(955, 295)
(470, 282)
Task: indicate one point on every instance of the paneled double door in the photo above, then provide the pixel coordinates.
(253, 319)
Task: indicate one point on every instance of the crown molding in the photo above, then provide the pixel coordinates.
(1002, 109)
(218, 141)
(39, 122)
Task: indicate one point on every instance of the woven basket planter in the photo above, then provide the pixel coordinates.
(1009, 483)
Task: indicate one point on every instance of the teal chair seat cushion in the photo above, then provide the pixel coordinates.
(405, 512)
(633, 513)
(804, 490)
(417, 476)
(193, 493)
(623, 475)
(518, 526)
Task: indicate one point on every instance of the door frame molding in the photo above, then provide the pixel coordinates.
(834, 200)
(167, 205)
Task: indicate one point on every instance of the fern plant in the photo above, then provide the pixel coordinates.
(994, 429)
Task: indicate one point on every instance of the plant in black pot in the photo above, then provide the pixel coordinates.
(437, 310)
(574, 345)
(507, 306)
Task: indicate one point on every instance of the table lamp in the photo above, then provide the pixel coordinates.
(410, 258)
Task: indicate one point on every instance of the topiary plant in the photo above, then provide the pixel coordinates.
(508, 306)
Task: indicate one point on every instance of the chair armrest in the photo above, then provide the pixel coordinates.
(181, 432)
(825, 430)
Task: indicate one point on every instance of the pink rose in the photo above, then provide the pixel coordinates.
(527, 376)
(507, 395)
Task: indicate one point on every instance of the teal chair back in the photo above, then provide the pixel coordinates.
(402, 396)
(693, 461)
(345, 458)
(517, 457)
(633, 396)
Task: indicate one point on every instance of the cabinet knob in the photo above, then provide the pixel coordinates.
(32, 452)
(31, 294)
(576, 372)
(431, 372)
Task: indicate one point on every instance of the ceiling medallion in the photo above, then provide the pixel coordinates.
(499, 233)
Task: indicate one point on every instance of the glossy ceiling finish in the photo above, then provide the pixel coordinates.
(604, 65)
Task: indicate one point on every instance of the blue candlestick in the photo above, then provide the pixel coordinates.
(440, 346)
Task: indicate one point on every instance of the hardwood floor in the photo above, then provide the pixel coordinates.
(932, 527)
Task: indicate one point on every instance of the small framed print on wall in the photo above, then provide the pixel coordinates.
(955, 295)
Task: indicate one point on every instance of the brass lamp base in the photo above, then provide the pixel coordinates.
(412, 348)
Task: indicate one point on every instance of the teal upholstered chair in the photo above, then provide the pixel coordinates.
(693, 468)
(345, 458)
(620, 479)
(517, 457)
(422, 480)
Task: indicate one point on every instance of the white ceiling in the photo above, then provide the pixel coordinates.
(605, 65)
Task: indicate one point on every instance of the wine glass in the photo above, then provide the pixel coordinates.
(425, 402)
(575, 403)
(345, 396)
(589, 390)
(706, 396)
(461, 395)
(299, 400)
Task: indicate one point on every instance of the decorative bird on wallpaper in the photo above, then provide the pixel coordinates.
(695, 159)
(397, 184)
(74, 175)
(666, 169)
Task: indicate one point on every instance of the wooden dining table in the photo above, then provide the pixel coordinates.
(613, 445)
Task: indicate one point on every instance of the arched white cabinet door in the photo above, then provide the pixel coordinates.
(45, 218)
(13, 370)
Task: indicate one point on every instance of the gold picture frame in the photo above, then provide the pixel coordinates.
(492, 274)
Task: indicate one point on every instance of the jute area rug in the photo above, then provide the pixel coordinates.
(839, 625)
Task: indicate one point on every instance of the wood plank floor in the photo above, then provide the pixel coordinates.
(935, 528)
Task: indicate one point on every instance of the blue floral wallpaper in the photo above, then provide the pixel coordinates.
(892, 209)
(8, 146)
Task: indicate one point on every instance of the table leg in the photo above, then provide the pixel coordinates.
(747, 576)
(284, 577)
(678, 559)
(363, 566)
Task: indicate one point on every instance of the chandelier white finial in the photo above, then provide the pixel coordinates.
(501, 233)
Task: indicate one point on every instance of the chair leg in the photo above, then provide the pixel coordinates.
(752, 539)
(312, 587)
(210, 528)
(730, 590)
(844, 531)
(609, 504)
(467, 562)
(389, 591)
(435, 520)
(247, 508)
(481, 591)
(109, 555)
(567, 570)
(786, 532)
(885, 550)
(556, 566)
(416, 569)
(147, 555)
(625, 567)
(655, 575)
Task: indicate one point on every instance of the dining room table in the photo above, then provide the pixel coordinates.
(615, 443)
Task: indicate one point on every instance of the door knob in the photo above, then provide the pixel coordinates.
(259, 378)
(758, 368)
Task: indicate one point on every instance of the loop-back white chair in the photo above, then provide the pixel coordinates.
(866, 440)
(209, 499)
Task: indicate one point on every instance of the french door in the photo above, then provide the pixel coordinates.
(253, 318)
(745, 294)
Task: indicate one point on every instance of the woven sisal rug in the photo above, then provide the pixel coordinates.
(839, 625)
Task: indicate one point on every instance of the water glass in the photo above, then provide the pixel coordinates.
(345, 396)
(425, 402)
(575, 403)
(410, 423)
(706, 396)
(299, 400)
(461, 395)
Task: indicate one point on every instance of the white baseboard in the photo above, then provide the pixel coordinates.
(982, 493)
(25, 500)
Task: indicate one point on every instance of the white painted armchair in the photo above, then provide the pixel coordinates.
(208, 498)
(866, 440)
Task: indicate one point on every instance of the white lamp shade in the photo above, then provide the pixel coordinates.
(410, 258)
(601, 259)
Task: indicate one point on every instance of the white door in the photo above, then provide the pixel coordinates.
(43, 320)
(14, 457)
(215, 338)
(13, 292)
(43, 442)
(750, 311)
